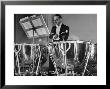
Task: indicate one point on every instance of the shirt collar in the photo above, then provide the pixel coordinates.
(59, 25)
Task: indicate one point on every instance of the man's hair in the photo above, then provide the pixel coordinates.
(59, 16)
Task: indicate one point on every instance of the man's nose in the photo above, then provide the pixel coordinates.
(55, 21)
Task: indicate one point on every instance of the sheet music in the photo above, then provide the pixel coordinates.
(30, 33)
(27, 25)
(41, 31)
(37, 22)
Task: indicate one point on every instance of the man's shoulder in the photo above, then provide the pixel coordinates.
(65, 26)
(53, 26)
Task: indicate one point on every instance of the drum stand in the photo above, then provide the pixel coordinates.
(87, 58)
(51, 56)
(76, 54)
(55, 66)
(33, 56)
(38, 65)
(17, 53)
(64, 51)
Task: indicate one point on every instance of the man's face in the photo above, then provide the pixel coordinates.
(56, 20)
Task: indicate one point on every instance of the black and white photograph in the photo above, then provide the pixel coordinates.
(55, 44)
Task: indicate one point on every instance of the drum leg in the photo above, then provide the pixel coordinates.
(38, 66)
(56, 71)
(65, 65)
(17, 62)
(88, 55)
(55, 66)
(65, 58)
(18, 66)
(17, 54)
(32, 56)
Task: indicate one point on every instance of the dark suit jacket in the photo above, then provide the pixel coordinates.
(62, 33)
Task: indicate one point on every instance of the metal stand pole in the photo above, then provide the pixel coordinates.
(64, 51)
(17, 53)
(88, 55)
(55, 66)
(65, 59)
(38, 62)
(32, 52)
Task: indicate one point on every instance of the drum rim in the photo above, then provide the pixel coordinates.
(25, 44)
(74, 41)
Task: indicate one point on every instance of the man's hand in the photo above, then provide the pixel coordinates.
(55, 36)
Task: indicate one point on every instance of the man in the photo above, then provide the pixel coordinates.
(59, 32)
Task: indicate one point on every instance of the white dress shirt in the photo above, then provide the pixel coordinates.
(58, 31)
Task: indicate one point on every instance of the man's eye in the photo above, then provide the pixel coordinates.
(55, 20)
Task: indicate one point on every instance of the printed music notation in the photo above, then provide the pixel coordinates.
(37, 22)
(34, 26)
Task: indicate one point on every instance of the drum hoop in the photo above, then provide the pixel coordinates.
(77, 41)
(27, 44)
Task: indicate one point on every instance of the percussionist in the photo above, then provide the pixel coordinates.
(59, 32)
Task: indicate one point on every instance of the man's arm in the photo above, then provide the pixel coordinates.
(52, 33)
(65, 33)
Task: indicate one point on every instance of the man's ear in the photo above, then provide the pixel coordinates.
(61, 20)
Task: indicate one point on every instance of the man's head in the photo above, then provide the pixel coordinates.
(57, 19)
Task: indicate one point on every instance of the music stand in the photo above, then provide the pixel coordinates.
(34, 27)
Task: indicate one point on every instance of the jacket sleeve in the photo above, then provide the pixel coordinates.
(65, 33)
(52, 33)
